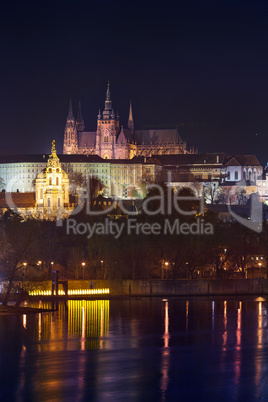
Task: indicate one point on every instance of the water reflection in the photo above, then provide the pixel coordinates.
(84, 319)
(139, 350)
(237, 354)
(187, 313)
(165, 355)
(225, 325)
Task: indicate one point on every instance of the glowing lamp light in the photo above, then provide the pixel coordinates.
(71, 292)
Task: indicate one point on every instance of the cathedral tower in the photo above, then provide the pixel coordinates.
(70, 145)
(130, 119)
(107, 129)
(80, 125)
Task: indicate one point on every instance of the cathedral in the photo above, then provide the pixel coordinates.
(111, 141)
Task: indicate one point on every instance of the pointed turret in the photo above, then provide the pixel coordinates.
(108, 104)
(80, 126)
(70, 114)
(121, 139)
(70, 145)
(130, 119)
(108, 93)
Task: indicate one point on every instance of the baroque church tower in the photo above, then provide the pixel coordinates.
(52, 186)
(70, 145)
(107, 129)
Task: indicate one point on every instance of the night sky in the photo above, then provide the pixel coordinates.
(201, 65)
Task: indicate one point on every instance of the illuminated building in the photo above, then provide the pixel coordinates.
(120, 178)
(110, 141)
(127, 178)
(52, 185)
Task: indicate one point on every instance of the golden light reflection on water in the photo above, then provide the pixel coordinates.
(80, 324)
(165, 355)
(258, 363)
(187, 314)
(238, 346)
(237, 365)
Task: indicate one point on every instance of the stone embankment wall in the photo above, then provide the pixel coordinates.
(172, 288)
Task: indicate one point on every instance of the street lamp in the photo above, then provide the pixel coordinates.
(24, 266)
(83, 265)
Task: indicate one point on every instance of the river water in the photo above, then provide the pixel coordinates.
(137, 350)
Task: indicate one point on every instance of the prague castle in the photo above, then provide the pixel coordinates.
(111, 141)
(124, 160)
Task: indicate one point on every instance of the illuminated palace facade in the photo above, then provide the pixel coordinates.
(110, 141)
(120, 178)
(127, 178)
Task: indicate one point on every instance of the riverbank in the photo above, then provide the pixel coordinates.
(182, 287)
(116, 289)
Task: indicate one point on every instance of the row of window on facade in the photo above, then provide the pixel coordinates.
(246, 176)
(10, 177)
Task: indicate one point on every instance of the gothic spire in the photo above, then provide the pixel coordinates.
(108, 103)
(70, 144)
(108, 93)
(70, 114)
(130, 119)
(80, 126)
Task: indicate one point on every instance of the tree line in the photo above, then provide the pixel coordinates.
(30, 248)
